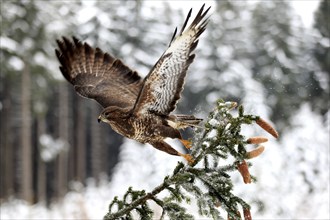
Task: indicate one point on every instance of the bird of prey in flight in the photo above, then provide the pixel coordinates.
(137, 108)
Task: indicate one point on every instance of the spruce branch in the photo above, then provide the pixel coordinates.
(218, 148)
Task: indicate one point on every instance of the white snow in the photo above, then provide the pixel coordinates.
(51, 147)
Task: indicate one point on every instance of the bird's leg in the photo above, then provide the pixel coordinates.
(174, 133)
(163, 146)
(186, 143)
(188, 158)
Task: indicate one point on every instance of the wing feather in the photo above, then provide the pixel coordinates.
(163, 85)
(98, 75)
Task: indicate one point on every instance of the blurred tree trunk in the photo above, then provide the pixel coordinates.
(80, 145)
(27, 191)
(63, 129)
(6, 149)
(96, 143)
(42, 175)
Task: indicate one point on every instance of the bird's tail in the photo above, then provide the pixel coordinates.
(183, 121)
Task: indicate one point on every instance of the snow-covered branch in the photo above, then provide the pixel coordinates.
(218, 148)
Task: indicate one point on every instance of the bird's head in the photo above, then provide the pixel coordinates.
(111, 113)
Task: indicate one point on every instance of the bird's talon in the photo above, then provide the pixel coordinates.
(186, 143)
(188, 158)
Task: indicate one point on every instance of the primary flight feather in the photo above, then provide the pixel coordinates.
(135, 108)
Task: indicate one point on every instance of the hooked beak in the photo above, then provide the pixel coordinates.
(99, 119)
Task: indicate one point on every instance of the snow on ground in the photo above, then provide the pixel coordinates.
(293, 173)
(141, 167)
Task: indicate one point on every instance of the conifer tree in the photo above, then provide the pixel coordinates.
(24, 64)
(218, 149)
(282, 51)
(322, 54)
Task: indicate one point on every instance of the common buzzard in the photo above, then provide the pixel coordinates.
(135, 108)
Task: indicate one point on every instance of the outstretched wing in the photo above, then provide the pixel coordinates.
(97, 75)
(163, 85)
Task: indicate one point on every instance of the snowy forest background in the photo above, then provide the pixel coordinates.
(58, 162)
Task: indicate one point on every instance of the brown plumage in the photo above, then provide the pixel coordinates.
(135, 108)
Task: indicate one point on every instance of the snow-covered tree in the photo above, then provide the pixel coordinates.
(322, 54)
(282, 60)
